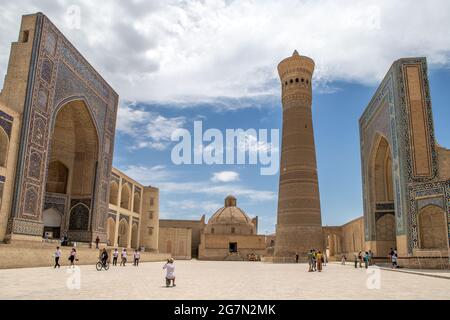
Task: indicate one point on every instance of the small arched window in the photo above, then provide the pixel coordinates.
(296, 80)
(212, 230)
(303, 80)
(114, 193)
(233, 230)
(125, 197)
(292, 81)
(137, 203)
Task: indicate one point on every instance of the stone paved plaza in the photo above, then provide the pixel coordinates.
(199, 280)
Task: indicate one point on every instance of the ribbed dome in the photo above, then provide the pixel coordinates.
(230, 216)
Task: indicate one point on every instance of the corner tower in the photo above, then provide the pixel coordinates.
(299, 226)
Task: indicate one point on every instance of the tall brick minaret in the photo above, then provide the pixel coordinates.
(299, 226)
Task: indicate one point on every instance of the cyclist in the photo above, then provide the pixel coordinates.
(104, 257)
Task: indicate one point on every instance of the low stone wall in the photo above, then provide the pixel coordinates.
(442, 263)
(12, 257)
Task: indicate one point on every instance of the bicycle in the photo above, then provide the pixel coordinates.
(101, 266)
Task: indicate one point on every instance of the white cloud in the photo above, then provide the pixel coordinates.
(209, 189)
(197, 50)
(162, 178)
(147, 129)
(202, 207)
(225, 176)
(147, 175)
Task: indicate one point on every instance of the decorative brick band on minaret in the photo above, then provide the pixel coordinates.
(299, 226)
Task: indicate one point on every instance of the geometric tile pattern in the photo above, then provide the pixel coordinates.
(61, 74)
(391, 113)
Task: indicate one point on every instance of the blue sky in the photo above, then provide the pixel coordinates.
(175, 61)
(187, 191)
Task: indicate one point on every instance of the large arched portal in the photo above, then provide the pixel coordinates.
(382, 198)
(73, 165)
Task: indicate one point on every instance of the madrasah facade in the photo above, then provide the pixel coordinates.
(57, 133)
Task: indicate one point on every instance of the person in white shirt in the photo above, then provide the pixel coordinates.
(115, 256)
(170, 272)
(124, 257)
(57, 255)
(137, 257)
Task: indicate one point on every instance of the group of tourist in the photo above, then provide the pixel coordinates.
(124, 257)
(362, 257)
(103, 257)
(169, 266)
(72, 257)
(316, 260)
(367, 258)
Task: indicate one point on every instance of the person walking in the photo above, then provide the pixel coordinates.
(320, 259)
(297, 257)
(57, 256)
(73, 257)
(170, 272)
(137, 257)
(356, 261)
(360, 259)
(124, 258)
(97, 241)
(115, 256)
(394, 261)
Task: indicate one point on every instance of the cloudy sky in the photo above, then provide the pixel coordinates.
(174, 62)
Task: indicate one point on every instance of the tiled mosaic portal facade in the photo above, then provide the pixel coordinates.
(410, 171)
(58, 79)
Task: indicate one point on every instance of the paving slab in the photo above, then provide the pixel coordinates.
(202, 280)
